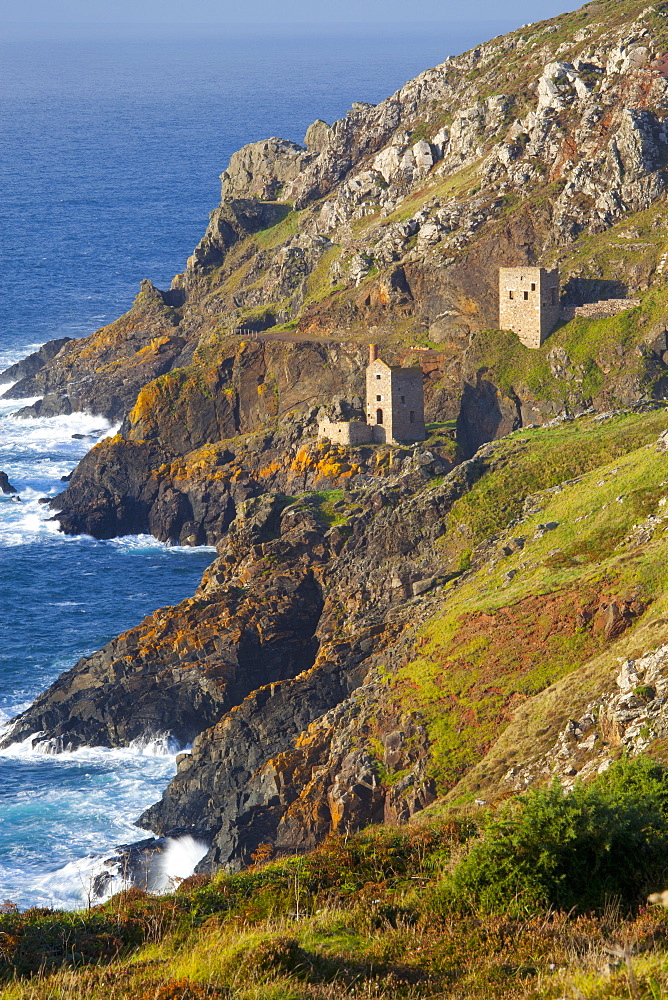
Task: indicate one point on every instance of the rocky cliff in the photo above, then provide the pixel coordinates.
(354, 656)
(545, 146)
(385, 629)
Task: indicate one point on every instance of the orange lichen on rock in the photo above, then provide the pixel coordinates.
(271, 469)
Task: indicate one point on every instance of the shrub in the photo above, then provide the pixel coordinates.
(572, 850)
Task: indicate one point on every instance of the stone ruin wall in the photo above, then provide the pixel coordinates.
(379, 384)
(602, 309)
(396, 393)
(407, 398)
(347, 433)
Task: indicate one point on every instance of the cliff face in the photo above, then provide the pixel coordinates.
(383, 626)
(353, 656)
(545, 146)
(190, 452)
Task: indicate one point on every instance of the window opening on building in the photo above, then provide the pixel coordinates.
(378, 377)
(379, 416)
(526, 296)
(510, 295)
(411, 416)
(403, 399)
(378, 399)
(533, 286)
(553, 296)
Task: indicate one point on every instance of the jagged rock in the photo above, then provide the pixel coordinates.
(5, 485)
(234, 219)
(104, 373)
(485, 413)
(263, 169)
(627, 721)
(512, 546)
(556, 86)
(359, 268)
(318, 136)
(542, 529)
(32, 364)
(184, 667)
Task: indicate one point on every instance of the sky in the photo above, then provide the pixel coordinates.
(64, 19)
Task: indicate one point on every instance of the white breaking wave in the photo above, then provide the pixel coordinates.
(156, 746)
(10, 355)
(36, 454)
(180, 859)
(37, 745)
(83, 803)
(97, 877)
(144, 543)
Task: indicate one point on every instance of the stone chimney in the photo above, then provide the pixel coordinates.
(373, 353)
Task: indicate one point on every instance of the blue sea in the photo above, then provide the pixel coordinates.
(111, 157)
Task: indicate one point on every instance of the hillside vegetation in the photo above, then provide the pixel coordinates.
(459, 909)
(425, 686)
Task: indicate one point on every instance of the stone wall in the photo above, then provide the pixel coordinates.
(379, 400)
(407, 405)
(345, 432)
(395, 403)
(598, 310)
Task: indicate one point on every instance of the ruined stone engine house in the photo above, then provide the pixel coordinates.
(394, 408)
(528, 302)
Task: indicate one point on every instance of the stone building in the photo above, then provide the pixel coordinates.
(394, 401)
(528, 302)
(346, 432)
(394, 408)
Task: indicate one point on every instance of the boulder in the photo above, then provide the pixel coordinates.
(5, 485)
(261, 169)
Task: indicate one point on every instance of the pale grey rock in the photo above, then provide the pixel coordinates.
(262, 169)
(423, 155)
(629, 720)
(318, 136)
(360, 265)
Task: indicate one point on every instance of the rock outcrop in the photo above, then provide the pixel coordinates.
(183, 667)
(104, 373)
(5, 485)
(34, 362)
(628, 720)
(242, 772)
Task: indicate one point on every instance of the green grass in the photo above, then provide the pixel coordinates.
(321, 503)
(508, 631)
(373, 922)
(531, 461)
(283, 231)
(318, 285)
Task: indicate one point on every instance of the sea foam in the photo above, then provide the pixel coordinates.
(63, 814)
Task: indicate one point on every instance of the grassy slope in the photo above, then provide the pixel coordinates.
(370, 924)
(509, 628)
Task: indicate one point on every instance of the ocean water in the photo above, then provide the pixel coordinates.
(111, 157)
